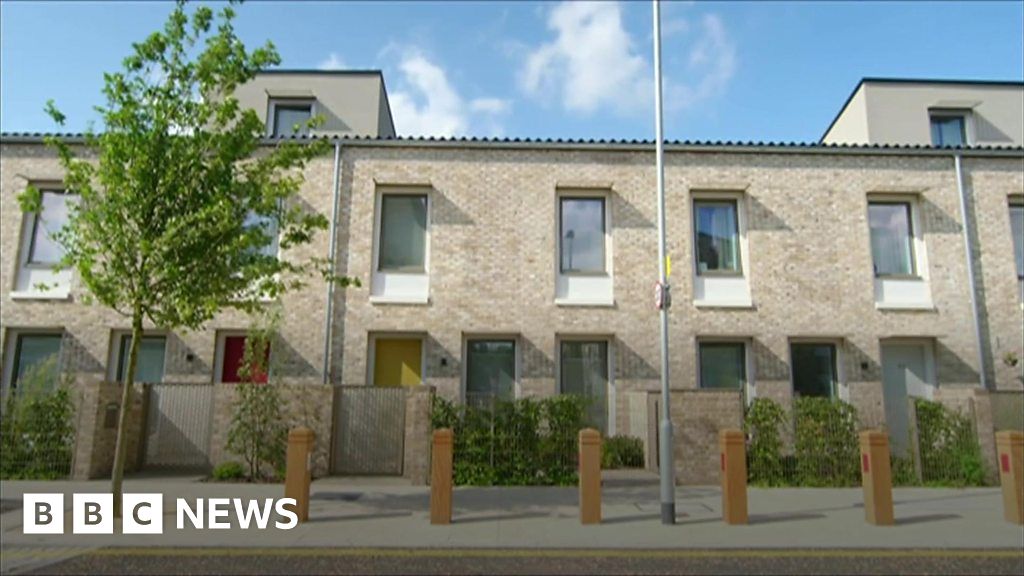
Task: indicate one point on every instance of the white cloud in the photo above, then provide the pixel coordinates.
(426, 103)
(332, 62)
(593, 62)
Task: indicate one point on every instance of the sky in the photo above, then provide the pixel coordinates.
(749, 71)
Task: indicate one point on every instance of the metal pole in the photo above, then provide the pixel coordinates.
(970, 270)
(329, 305)
(666, 466)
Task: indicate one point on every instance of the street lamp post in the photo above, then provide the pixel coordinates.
(666, 466)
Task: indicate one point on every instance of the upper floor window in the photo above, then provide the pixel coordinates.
(582, 234)
(53, 215)
(892, 238)
(403, 233)
(948, 129)
(270, 230)
(717, 234)
(1017, 227)
(290, 117)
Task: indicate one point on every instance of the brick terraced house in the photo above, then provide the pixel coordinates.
(883, 263)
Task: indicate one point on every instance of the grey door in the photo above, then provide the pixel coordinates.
(370, 430)
(903, 369)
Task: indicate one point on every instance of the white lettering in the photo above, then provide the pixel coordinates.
(283, 510)
(253, 510)
(218, 508)
(195, 517)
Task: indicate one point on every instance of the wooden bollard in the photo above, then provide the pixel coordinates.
(876, 472)
(1010, 445)
(441, 477)
(733, 468)
(298, 469)
(590, 476)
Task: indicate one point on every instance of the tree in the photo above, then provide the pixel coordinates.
(178, 197)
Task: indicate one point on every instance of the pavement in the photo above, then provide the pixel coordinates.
(369, 514)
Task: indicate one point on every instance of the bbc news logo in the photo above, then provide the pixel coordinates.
(144, 514)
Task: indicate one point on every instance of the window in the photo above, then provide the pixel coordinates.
(403, 233)
(717, 237)
(892, 238)
(1017, 227)
(233, 358)
(36, 359)
(584, 371)
(582, 235)
(948, 130)
(269, 226)
(290, 118)
(52, 216)
(490, 371)
(723, 365)
(814, 369)
(149, 367)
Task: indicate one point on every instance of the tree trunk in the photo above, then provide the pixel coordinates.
(121, 447)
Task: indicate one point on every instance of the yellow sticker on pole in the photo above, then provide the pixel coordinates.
(668, 266)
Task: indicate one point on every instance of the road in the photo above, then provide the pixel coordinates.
(506, 561)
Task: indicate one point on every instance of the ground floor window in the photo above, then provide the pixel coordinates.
(149, 367)
(584, 371)
(814, 369)
(36, 359)
(490, 370)
(723, 365)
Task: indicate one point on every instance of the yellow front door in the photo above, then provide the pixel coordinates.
(398, 362)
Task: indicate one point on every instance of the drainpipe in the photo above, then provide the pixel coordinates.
(328, 320)
(970, 270)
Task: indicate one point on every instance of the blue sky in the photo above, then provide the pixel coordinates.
(733, 71)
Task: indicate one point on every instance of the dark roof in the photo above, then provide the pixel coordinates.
(596, 144)
(940, 81)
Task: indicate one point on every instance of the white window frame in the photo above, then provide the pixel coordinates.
(584, 288)
(842, 389)
(397, 286)
(114, 359)
(285, 102)
(966, 114)
(29, 274)
(749, 390)
(371, 352)
(611, 393)
(721, 290)
(1015, 201)
(517, 388)
(899, 292)
(11, 341)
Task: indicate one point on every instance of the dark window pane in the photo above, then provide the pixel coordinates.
(723, 365)
(891, 238)
(490, 370)
(582, 235)
(948, 131)
(584, 371)
(717, 230)
(36, 360)
(403, 232)
(814, 369)
(291, 119)
(149, 366)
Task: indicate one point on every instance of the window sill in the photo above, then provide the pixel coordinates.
(912, 306)
(399, 300)
(570, 302)
(48, 295)
(730, 304)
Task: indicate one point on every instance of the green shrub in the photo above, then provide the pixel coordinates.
(37, 436)
(950, 454)
(514, 443)
(229, 471)
(762, 424)
(622, 452)
(827, 447)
